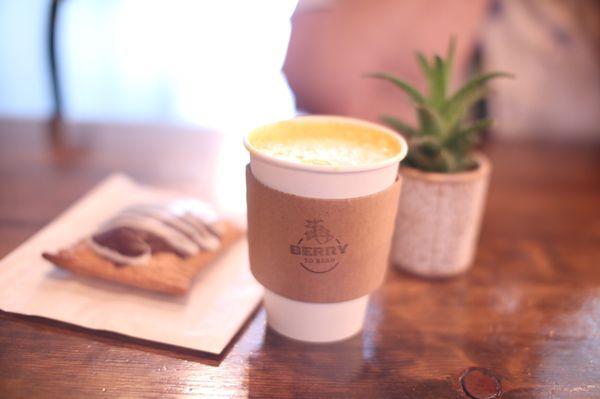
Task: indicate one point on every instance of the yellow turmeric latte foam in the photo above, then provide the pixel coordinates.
(325, 141)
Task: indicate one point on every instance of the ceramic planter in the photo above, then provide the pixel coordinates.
(439, 218)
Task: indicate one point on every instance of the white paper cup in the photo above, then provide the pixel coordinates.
(308, 321)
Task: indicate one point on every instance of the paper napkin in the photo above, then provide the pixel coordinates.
(223, 296)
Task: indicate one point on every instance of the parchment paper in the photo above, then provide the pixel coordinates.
(221, 299)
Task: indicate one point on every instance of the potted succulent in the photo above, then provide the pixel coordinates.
(444, 180)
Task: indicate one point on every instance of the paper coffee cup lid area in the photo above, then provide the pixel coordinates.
(319, 250)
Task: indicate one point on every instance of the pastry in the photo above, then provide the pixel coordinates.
(159, 247)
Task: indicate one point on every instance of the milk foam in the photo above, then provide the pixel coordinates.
(325, 142)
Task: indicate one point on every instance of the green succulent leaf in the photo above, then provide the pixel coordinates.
(413, 93)
(431, 144)
(450, 58)
(426, 123)
(472, 86)
(449, 161)
(423, 63)
(399, 125)
(424, 153)
(456, 112)
(475, 127)
(463, 139)
(437, 83)
(442, 141)
(433, 119)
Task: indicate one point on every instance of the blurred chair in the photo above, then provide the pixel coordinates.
(53, 66)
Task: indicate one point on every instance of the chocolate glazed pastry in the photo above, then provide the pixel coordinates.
(156, 247)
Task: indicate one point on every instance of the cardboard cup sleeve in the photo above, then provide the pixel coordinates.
(319, 250)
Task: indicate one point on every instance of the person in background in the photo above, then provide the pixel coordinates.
(551, 47)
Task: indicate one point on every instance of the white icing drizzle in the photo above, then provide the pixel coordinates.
(172, 236)
(118, 257)
(199, 214)
(198, 209)
(197, 232)
(187, 226)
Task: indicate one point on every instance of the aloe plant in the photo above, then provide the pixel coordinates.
(444, 139)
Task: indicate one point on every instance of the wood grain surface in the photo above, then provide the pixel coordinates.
(523, 323)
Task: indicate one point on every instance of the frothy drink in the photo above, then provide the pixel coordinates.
(323, 142)
(318, 158)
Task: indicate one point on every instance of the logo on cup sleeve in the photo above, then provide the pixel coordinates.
(318, 250)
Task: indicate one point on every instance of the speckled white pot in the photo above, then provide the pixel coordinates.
(438, 222)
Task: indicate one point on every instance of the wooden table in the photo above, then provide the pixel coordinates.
(525, 321)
